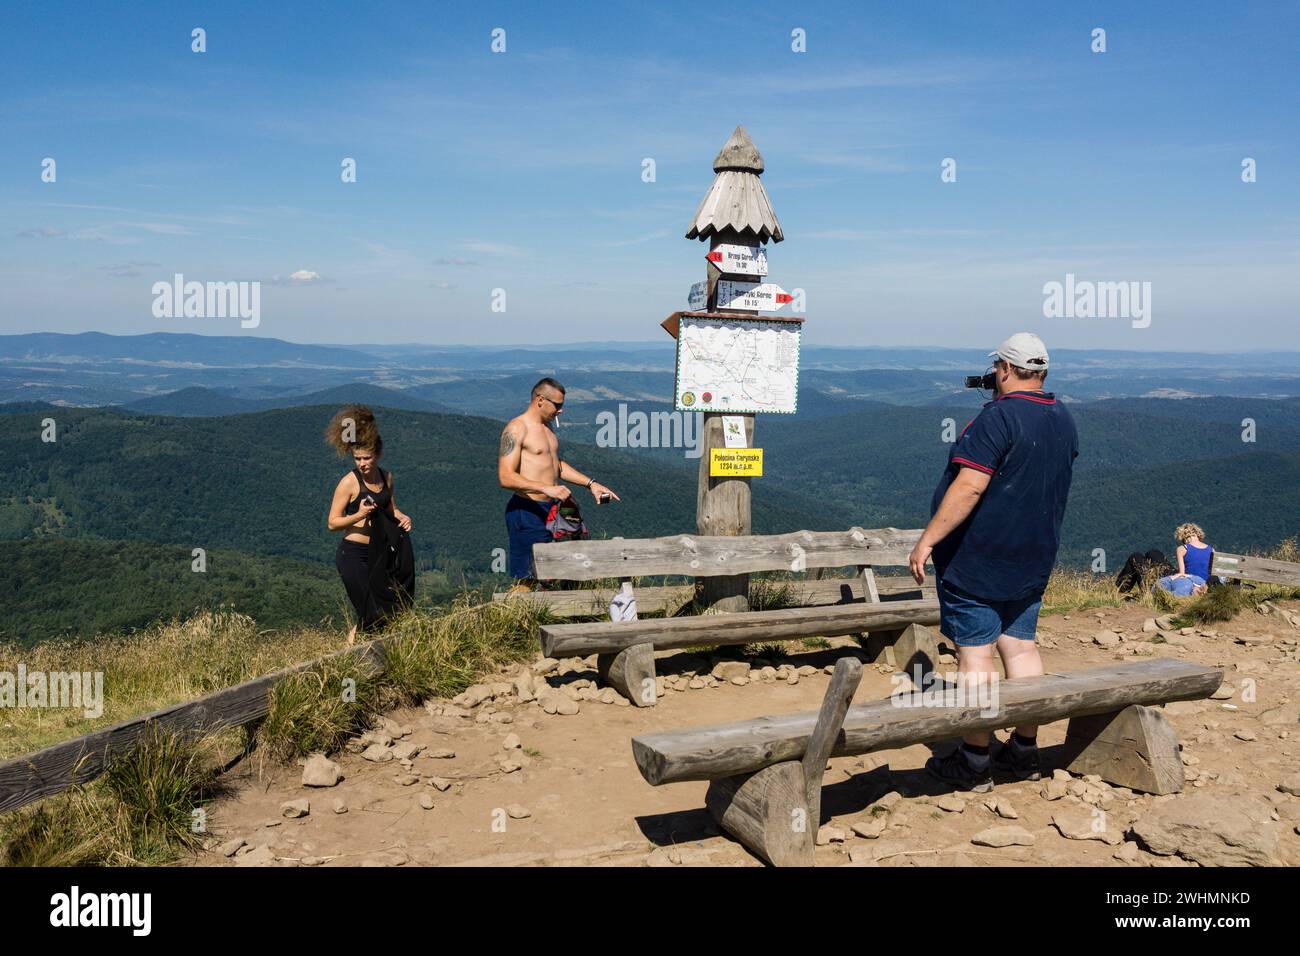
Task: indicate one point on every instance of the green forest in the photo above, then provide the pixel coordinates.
(74, 588)
(97, 526)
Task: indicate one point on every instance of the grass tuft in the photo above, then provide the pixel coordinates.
(139, 813)
(424, 656)
(768, 594)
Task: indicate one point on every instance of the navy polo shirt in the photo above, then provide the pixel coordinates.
(1005, 550)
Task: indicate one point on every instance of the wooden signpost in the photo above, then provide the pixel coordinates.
(738, 220)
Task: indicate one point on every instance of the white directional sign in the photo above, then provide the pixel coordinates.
(739, 260)
(767, 297)
(698, 297)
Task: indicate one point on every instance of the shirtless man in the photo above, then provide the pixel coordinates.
(529, 465)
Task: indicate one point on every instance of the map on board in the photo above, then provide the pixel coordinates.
(738, 365)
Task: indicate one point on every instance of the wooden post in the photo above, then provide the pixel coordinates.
(722, 504)
(1135, 747)
(735, 211)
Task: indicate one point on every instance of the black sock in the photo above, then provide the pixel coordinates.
(977, 757)
(1023, 743)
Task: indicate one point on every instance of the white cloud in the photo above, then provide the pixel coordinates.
(488, 247)
(300, 278)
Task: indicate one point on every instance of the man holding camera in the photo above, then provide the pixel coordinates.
(993, 537)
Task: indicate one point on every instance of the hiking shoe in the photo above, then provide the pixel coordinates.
(1023, 764)
(956, 770)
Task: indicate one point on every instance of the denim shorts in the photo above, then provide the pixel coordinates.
(970, 621)
(1180, 587)
(525, 527)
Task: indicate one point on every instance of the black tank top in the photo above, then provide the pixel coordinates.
(380, 498)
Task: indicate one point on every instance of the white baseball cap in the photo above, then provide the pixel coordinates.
(1023, 350)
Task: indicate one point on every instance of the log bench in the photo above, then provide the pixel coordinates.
(765, 775)
(625, 649)
(670, 599)
(1247, 567)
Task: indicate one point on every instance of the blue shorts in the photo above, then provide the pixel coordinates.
(526, 526)
(1181, 587)
(970, 621)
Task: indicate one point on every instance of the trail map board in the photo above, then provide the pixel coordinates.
(738, 365)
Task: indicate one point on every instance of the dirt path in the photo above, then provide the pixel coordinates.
(586, 803)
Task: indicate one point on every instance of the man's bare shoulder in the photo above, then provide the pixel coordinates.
(513, 435)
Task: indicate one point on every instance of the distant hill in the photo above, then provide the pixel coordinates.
(375, 395)
(1244, 502)
(205, 402)
(1142, 464)
(505, 396)
(61, 587)
(182, 347)
(91, 369)
(261, 483)
(194, 400)
(15, 408)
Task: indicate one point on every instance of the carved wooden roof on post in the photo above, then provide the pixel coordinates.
(737, 200)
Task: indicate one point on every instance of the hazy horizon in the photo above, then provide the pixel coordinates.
(668, 343)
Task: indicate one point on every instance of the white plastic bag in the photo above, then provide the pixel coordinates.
(622, 607)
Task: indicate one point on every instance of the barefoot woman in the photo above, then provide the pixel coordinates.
(374, 559)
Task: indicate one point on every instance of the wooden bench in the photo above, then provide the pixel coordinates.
(765, 775)
(625, 649)
(1245, 567)
(670, 599)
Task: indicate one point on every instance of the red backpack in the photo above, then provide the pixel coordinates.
(564, 521)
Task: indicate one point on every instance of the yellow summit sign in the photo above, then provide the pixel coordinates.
(736, 462)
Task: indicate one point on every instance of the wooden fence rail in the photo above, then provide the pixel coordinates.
(68, 763)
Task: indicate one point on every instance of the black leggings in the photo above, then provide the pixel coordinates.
(353, 562)
(1139, 564)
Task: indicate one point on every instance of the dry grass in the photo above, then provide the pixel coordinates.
(141, 810)
(424, 656)
(166, 664)
(1077, 590)
(144, 811)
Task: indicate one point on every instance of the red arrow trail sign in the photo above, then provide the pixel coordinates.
(767, 297)
(739, 260)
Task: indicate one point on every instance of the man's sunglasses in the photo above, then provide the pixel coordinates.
(558, 405)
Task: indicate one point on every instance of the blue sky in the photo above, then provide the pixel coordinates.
(522, 170)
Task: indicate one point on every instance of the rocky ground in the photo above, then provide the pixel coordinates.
(535, 768)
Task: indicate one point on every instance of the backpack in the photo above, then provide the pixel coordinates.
(564, 521)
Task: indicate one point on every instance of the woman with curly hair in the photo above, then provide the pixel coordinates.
(1195, 558)
(374, 559)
